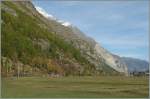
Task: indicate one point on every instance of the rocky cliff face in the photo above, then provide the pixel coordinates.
(90, 52)
(97, 54)
(112, 60)
(90, 49)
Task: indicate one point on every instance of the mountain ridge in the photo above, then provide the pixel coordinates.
(78, 35)
(135, 64)
(48, 46)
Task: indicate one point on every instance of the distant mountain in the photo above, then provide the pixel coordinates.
(36, 44)
(136, 64)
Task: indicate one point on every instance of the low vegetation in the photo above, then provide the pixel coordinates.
(75, 87)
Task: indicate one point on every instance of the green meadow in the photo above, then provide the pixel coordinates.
(75, 87)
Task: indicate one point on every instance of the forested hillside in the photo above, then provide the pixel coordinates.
(31, 46)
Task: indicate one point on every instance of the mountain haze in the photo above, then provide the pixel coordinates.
(136, 65)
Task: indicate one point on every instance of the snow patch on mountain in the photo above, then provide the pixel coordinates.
(49, 16)
(44, 13)
(64, 23)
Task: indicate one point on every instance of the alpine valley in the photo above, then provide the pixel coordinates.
(35, 45)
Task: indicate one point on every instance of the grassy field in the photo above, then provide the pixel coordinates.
(75, 87)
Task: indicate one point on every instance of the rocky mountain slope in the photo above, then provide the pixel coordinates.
(91, 50)
(136, 65)
(34, 44)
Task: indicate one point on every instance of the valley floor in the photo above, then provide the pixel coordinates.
(75, 87)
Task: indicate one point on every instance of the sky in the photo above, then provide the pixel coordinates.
(121, 27)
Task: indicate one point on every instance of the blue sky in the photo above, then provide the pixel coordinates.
(119, 26)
